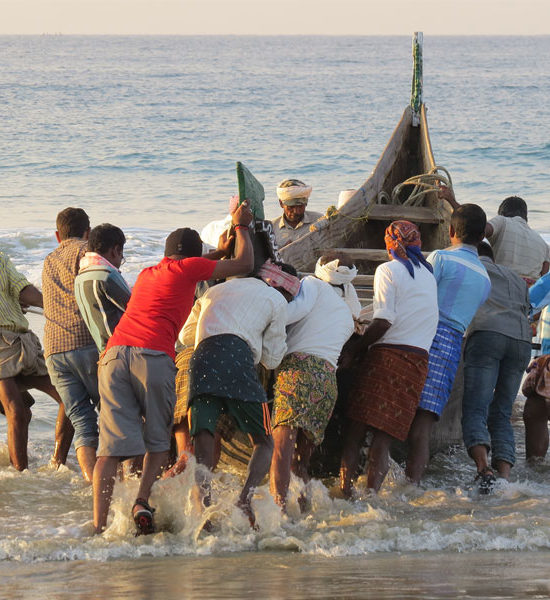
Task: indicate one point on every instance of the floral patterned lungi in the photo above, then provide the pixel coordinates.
(305, 394)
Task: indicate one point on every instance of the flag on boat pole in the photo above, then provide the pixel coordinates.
(416, 92)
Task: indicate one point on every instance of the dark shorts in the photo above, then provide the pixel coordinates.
(250, 417)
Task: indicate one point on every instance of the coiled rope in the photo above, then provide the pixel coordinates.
(423, 184)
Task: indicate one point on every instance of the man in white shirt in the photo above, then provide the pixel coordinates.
(393, 355)
(319, 324)
(235, 326)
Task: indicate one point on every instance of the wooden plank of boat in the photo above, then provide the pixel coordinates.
(369, 254)
(398, 212)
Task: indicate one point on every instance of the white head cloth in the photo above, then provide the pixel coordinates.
(335, 274)
(295, 191)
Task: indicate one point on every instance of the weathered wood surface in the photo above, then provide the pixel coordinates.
(370, 254)
(332, 232)
(398, 212)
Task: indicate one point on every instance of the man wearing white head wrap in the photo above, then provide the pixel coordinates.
(293, 196)
(340, 277)
(318, 325)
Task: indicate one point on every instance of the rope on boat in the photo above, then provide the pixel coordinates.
(425, 183)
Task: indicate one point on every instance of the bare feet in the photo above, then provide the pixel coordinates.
(247, 510)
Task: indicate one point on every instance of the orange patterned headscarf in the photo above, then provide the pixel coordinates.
(403, 243)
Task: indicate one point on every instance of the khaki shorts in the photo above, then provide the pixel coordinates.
(137, 398)
(21, 354)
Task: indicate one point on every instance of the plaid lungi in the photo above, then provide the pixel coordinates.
(442, 367)
(182, 384)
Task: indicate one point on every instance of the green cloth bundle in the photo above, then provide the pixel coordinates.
(252, 190)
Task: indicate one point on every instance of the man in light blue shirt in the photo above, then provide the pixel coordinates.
(539, 296)
(462, 286)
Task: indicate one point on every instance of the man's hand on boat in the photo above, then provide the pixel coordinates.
(447, 193)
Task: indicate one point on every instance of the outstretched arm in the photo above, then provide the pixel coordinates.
(447, 193)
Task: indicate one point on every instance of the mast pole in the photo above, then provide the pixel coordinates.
(416, 91)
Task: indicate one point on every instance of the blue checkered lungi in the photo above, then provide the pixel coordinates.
(442, 366)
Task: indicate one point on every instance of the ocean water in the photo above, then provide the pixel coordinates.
(144, 132)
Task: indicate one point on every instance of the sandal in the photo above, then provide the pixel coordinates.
(143, 518)
(487, 480)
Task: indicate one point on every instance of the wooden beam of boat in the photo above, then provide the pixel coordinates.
(398, 212)
(371, 254)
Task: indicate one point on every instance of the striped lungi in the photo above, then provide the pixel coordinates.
(387, 389)
(442, 367)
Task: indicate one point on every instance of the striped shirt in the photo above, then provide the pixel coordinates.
(11, 284)
(65, 328)
(102, 295)
(462, 284)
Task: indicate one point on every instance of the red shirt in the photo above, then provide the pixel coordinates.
(161, 301)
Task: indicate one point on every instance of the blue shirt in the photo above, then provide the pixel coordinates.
(539, 292)
(539, 296)
(462, 284)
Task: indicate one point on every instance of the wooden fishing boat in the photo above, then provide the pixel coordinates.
(356, 229)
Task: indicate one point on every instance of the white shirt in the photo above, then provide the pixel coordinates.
(410, 305)
(319, 321)
(247, 308)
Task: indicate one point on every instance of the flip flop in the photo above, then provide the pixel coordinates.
(143, 518)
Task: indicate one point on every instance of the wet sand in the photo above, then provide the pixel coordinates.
(496, 575)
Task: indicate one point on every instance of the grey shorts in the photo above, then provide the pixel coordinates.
(20, 354)
(137, 398)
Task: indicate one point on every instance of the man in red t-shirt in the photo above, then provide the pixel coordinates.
(137, 370)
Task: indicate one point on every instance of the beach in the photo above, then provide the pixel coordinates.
(144, 132)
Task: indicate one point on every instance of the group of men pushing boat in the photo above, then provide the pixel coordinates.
(174, 356)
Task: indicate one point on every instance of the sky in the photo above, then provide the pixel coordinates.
(276, 17)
